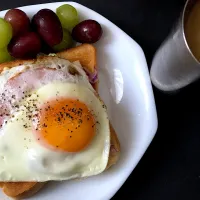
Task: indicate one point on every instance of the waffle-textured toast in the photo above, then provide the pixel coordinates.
(86, 55)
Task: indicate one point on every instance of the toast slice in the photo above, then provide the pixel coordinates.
(86, 54)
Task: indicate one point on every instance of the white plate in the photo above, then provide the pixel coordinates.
(126, 89)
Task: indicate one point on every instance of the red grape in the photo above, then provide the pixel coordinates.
(27, 45)
(48, 26)
(18, 20)
(88, 31)
(46, 49)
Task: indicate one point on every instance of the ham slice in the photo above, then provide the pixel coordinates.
(19, 86)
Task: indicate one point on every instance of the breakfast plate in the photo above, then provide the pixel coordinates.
(126, 90)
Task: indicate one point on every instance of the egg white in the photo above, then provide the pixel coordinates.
(22, 158)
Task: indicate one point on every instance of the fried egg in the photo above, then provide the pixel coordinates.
(58, 131)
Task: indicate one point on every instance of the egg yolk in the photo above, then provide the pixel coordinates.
(66, 124)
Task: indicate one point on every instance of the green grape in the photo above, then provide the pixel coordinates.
(68, 16)
(66, 43)
(5, 33)
(4, 55)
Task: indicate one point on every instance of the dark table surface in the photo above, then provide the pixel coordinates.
(170, 169)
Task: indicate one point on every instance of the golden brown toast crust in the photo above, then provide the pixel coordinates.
(21, 190)
(86, 54)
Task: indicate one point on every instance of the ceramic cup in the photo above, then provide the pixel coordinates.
(174, 66)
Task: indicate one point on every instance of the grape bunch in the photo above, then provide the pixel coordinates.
(46, 32)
